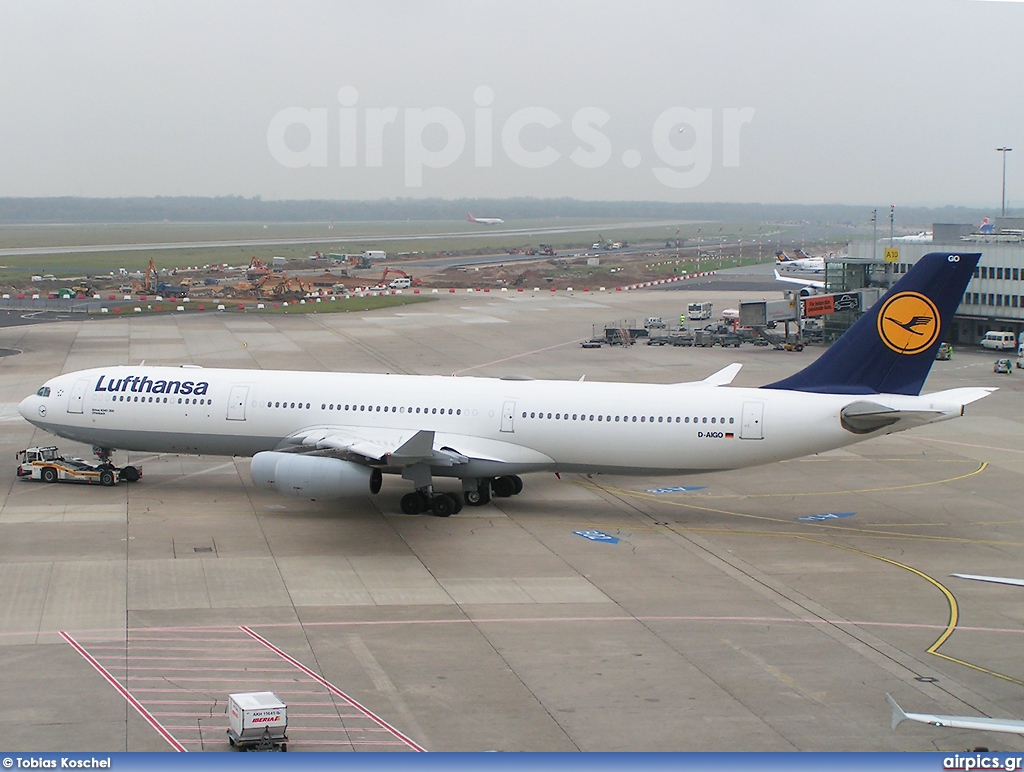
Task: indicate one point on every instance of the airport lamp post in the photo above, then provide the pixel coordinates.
(874, 235)
(1004, 150)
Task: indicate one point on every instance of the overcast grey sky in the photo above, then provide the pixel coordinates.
(854, 101)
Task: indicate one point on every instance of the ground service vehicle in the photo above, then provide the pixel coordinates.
(46, 464)
(257, 720)
(999, 341)
(697, 311)
(1003, 366)
(945, 352)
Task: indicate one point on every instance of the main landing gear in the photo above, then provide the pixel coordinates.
(439, 504)
(128, 473)
(475, 493)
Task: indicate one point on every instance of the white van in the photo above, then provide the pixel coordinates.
(1000, 341)
(400, 283)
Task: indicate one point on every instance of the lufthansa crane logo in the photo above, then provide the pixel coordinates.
(908, 323)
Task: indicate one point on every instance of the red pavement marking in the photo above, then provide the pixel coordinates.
(334, 690)
(125, 693)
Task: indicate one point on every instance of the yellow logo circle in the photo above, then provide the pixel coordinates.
(908, 323)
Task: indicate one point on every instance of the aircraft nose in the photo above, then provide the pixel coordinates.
(32, 408)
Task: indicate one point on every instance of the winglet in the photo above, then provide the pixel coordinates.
(724, 376)
(898, 716)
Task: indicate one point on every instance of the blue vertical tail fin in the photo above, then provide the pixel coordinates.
(891, 348)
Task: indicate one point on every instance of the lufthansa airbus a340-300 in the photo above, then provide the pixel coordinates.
(333, 435)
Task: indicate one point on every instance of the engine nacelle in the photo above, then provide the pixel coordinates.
(312, 477)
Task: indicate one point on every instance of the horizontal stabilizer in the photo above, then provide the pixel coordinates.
(721, 378)
(865, 417)
(724, 376)
(983, 723)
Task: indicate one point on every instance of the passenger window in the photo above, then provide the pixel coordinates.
(732, 420)
(705, 419)
(712, 420)
(643, 418)
(660, 419)
(459, 412)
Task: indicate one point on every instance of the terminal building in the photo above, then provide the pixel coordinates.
(994, 299)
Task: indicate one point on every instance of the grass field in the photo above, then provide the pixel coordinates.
(399, 239)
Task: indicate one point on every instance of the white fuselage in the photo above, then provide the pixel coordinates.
(513, 425)
(811, 264)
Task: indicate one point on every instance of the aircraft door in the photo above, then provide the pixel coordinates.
(508, 416)
(236, 403)
(753, 416)
(77, 395)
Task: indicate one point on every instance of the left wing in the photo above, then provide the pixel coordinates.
(955, 722)
(380, 446)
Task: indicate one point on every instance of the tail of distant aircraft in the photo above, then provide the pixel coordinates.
(782, 257)
(801, 253)
(470, 217)
(986, 226)
(891, 348)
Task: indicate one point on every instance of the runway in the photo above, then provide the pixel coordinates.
(370, 236)
(762, 609)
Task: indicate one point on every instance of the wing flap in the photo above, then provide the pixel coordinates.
(401, 447)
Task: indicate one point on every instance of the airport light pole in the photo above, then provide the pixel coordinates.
(1004, 150)
(874, 235)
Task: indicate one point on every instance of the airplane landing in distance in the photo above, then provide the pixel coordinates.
(484, 220)
(333, 435)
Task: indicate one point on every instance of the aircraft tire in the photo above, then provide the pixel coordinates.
(503, 487)
(479, 496)
(130, 474)
(457, 501)
(442, 505)
(518, 483)
(412, 503)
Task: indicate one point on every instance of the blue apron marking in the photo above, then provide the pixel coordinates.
(597, 536)
(826, 516)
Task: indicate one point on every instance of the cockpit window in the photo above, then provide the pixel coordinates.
(43, 392)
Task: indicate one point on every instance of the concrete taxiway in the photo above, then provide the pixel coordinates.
(761, 609)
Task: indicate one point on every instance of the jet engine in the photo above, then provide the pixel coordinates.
(312, 477)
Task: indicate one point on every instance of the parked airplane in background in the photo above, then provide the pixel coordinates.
(484, 220)
(810, 286)
(802, 263)
(332, 435)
